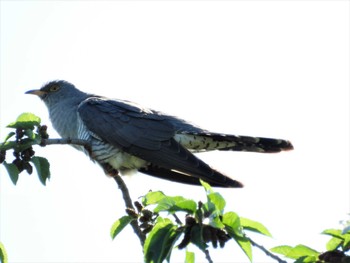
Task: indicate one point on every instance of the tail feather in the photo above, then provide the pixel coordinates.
(199, 142)
(254, 144)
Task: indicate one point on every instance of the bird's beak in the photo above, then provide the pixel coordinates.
(37, 92)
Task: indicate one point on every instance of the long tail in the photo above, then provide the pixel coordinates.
(200, 142)
(254, 144)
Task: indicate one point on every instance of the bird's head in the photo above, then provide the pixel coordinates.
(56, 91)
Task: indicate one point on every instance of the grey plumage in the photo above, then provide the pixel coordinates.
(127, 137)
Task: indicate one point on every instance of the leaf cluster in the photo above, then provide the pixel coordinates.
(337, 248)
(205, 223)
(28, 132)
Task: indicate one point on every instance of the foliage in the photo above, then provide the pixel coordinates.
(337, 247)
(28, 132)
(204, 223)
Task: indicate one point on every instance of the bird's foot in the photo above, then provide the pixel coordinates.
(109, 170)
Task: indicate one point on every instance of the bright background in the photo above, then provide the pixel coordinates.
(262, 68)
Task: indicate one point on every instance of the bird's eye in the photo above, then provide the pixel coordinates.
(54, 88)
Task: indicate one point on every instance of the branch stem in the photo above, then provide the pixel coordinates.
(128, 203)
(177, 219)
(207, 256)
(66, 141)
(267, 252)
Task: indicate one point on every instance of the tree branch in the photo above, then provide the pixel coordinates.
(207, 256)
(128, 203)
(65, 141)
(177, 219)
(267, 252)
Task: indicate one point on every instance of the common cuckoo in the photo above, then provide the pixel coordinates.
(127, 137)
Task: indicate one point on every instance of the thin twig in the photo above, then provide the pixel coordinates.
(177, 220)
(66, 141)
(207, 256)
(271, 255)
(128, 203)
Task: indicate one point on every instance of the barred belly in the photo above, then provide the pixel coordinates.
(122, 161)
(103, 153)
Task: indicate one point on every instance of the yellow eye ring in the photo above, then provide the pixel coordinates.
(54, 88)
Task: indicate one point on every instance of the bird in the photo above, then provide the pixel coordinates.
(125, 137)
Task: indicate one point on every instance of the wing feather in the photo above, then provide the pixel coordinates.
(123, 125)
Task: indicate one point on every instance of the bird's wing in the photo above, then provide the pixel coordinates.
(175, 176)
(145, 134)
(125, 125)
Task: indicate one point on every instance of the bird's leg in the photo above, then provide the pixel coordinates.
(109, 170)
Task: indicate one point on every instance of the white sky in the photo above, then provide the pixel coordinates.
(262, 68)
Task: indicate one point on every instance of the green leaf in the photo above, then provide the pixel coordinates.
(218, 201)
(42, 166)
(333, 232)
(302, 250)
(233, 227)
(25, 144)
(339, 239)
(207, 187)
(214, 207)
(13, 171)
(186, 205)
(190, 257)
(8, 145)
(119, 225)
(30, 134)
(295, 252)
(307, 259)
(232, 224)
(9, 136)
(346, 244)
(283, 250)
(215, 221)
(25, 121)
(208, 208)
(254, 226)
(3, 254)
(245, 245)
(160, 241)
(175, 204)
(152, 198)
(334, 243)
